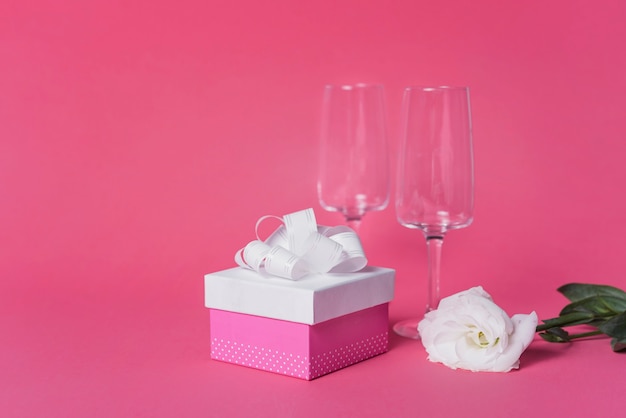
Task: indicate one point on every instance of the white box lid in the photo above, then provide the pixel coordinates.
(311, 300)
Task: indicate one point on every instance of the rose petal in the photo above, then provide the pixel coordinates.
(453, 300)
(525, 326)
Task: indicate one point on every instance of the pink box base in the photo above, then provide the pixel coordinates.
(299, 350)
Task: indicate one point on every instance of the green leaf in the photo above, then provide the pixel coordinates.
(615, 327)
(573, 318)
(618, 345)
(578, 291)
(555, 335)
(601, 306)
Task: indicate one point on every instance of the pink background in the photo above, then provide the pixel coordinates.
(140, 142)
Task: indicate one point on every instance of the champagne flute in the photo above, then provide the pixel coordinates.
(435, 183)
(354, 163)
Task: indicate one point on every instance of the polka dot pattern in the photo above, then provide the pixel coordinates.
(345, 356)
(298, 365)
(276, 361)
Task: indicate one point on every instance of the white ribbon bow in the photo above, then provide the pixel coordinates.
(300, 247)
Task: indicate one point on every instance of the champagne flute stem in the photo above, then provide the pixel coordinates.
(354, 223)
(434, 244)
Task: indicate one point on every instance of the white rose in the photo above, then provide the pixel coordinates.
(469, 331)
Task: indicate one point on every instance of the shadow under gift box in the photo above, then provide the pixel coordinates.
(306, 328)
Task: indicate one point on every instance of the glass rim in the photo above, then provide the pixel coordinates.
(436, 88)
(353, 86)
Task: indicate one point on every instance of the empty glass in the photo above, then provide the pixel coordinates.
(435, 183)
(354, 161)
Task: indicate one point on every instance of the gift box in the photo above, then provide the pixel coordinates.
(302, 328)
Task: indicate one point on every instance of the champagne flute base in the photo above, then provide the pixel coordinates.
(407, 328)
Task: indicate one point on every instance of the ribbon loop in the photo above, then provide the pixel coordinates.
(300, 247)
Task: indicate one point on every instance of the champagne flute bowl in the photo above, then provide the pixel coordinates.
(354, 162)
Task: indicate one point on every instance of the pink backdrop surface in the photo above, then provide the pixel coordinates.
(140, 142)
